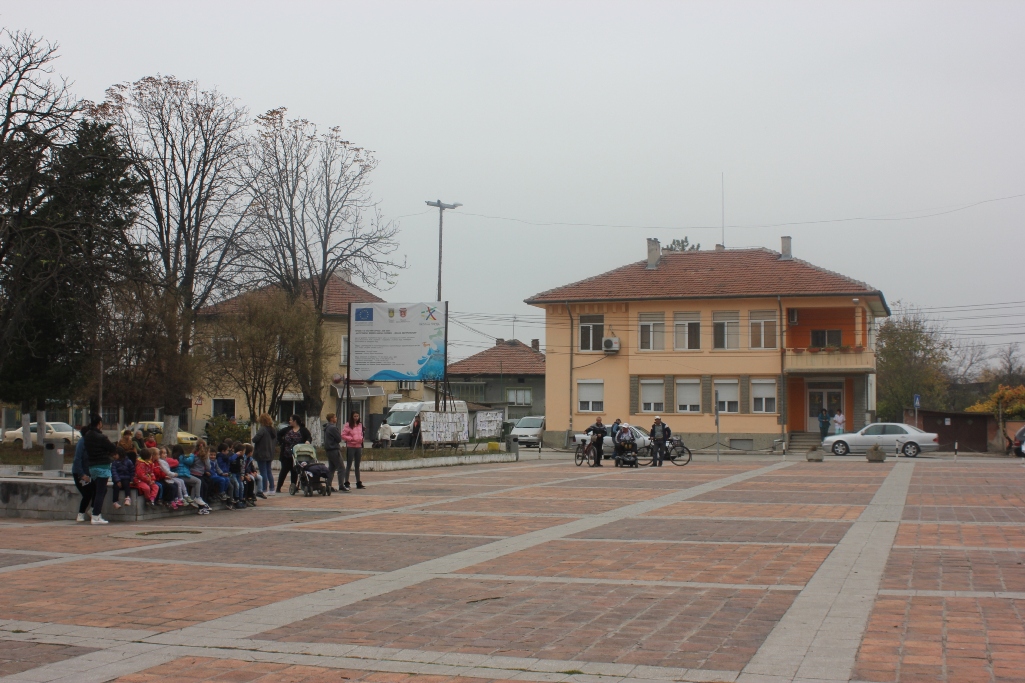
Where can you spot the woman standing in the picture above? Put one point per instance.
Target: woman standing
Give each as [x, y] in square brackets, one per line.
[838, 421]
[96, 463]
[332, 444]
[263, 451]
[83, 483]
[295, 433]
[352, 435]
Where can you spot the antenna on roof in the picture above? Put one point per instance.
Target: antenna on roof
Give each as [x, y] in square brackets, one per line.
[722, 187]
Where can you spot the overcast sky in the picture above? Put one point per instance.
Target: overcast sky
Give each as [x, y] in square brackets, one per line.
[627, 114]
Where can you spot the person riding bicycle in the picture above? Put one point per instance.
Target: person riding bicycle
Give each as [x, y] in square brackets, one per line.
[601, 431]
[625, 440]
[660, 434]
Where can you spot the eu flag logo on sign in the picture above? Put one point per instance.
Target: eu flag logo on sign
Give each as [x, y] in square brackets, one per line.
[364, 315]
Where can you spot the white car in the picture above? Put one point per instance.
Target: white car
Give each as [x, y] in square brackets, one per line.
[641, 436]
[529, 430]
[54, 430]
[886, 435]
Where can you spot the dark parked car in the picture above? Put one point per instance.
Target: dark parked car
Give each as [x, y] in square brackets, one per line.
[1019, 440]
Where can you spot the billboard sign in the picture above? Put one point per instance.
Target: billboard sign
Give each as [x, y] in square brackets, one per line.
[397, 342]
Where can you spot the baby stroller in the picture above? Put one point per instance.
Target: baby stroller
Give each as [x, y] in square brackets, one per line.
[312, 474]
[626, 454]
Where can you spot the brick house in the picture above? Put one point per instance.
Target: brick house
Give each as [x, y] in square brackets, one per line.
[775, 338]
[509, 375]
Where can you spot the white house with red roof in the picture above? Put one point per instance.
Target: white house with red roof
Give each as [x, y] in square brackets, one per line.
[775, 339]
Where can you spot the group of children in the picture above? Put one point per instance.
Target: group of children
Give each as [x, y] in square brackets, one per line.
[176, 479]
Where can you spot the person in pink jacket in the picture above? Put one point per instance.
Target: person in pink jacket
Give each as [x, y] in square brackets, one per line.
[352, 435]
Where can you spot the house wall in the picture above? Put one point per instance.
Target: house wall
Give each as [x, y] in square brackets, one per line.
[809, 319]
[495, 394]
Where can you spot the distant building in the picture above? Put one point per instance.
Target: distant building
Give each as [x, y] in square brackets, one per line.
[509, 375]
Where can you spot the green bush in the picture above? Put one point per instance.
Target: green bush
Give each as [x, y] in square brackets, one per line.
[219, 428]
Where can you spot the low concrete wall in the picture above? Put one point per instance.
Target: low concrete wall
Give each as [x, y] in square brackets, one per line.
[57, 498]
[444, 461]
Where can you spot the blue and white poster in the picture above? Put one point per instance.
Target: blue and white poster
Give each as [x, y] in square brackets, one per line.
[394, 342]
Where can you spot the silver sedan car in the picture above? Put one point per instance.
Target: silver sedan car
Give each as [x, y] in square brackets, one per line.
[54, 430]
[886, 435]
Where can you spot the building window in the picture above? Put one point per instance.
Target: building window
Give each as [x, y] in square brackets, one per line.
[468, 391]
[518, 397]
[763, 329]
[288, 408]
[345, 349]
[592, 328]
[222, 406]
[728, 391]
[688, 395]
[653, 332]
[726, 330]
[686, 331]
[763, 396]
[406, 385]
[653, 396]
[823, 338]
[591, 396]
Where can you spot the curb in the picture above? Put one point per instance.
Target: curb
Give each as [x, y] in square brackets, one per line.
[446, 461]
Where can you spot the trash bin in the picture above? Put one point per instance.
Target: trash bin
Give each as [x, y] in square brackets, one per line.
[512, 445]
[53, 454]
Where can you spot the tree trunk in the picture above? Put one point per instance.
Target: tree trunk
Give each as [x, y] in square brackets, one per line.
[313, 411]
[40, 427]
[170, 429]
[26, 435]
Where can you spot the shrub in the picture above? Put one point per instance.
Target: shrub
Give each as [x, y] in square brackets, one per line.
[219, 428]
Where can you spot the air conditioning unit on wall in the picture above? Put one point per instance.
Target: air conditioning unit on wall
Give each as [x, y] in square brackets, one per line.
[610, 344]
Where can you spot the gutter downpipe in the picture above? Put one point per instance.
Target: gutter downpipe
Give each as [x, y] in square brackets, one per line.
[569, 431]
[782, 376]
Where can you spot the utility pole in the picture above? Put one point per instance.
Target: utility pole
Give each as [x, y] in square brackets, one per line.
[441, 222]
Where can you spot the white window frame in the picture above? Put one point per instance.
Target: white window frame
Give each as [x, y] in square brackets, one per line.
[590, 325]
[725, 405]
[759, 337]
[687, 322]
[692, 408]
[653, 406]
[654, 326]
[730, 322]
[527, 392]
[591, 407]
[344, 349]
[768, 395]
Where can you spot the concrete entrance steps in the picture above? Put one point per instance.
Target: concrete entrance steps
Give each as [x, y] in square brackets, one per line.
[800, 442]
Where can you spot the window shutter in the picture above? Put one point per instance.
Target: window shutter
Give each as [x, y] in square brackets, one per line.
[670, 383]
[706, 394]
[635, 394]
[745, 393]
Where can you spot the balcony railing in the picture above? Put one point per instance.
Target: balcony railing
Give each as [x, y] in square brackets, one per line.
[830, 359]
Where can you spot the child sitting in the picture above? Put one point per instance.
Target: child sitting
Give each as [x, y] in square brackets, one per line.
[122, 471]
[184, 472]
[221, 466]
[235, 466]
[162, 472]
[251, 469]
[144, 481]
[150, 442]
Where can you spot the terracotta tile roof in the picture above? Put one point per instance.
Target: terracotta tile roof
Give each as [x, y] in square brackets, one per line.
[337, 298]
[507, 357]
[709, 274]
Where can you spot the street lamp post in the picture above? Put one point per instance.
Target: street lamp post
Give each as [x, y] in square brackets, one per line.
[441, 215]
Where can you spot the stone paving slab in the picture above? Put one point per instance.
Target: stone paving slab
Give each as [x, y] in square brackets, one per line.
[716, 530]
[950, 513]
[488, 525]
[955, 570]
[17, 656]
[995, 536]
[12, 559]
[767, 496]
[1008, 500]
[723, 563]
[259, 517]
[760, 511]
[547, 506]
[68, 537]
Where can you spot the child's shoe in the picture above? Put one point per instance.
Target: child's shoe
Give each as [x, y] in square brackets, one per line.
[98, 519]
[128, 501]
[117, 506]
[81, 517]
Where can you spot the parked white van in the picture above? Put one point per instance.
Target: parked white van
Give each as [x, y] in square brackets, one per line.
[530, 430]
[401, 416]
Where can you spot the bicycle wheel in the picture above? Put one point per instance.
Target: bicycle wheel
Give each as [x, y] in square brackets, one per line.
[591, 455]
[644, 456]
[680, 455]
[579, 457]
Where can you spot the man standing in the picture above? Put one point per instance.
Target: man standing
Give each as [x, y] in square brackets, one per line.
[599, 429]
[659, 434]
[333, 448]
[823, 424]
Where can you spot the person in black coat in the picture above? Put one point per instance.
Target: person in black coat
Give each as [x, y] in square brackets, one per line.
[96, 463]
[659, 434]
[601, 431]
[263, 450]
[295, 433]
[333, 446]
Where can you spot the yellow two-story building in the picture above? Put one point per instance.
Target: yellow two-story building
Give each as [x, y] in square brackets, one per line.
[769, 339]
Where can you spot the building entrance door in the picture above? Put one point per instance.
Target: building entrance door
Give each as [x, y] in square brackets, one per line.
[828, 395]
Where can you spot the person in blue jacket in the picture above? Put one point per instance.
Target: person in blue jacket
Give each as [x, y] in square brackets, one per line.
[83, 483]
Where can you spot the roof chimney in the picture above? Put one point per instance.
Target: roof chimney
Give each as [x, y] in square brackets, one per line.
[654, 253]
[786, 254]
[535, 344]
[499, 342]
[720, 247]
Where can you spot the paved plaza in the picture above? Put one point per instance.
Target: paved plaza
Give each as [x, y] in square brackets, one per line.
[748, 570]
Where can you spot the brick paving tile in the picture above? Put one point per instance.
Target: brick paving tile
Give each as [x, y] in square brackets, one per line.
[196, 669]
[1014, 500]
[488, 525]
[621, 495]
[659, 626]
[720, 530]
[433, 489]
[783, 485]
[158, 597]
[12, 559]
[978, 536]
[17, 656]
[760, 511]
[950, 513]
[959, 490]
[542, 506]
[722, 563]
[824, 479]
[258, 517]
[355, 500]
[639, 482]
[69, 538]
[954, 570]
[729, 495]
[334, 550]
[945, 639]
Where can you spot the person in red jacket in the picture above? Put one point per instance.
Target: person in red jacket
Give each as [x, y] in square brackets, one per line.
[352, 435]
[144, 481]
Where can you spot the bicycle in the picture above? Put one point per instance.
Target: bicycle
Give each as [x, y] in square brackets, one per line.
[678, 453]
[586, 452]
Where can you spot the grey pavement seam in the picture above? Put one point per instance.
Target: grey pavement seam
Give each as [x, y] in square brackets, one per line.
[257, 620]
[818, 637]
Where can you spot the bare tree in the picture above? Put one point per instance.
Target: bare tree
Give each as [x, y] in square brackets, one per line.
[1009, 368]
[967, 361]
[315, 218]
[189, 147]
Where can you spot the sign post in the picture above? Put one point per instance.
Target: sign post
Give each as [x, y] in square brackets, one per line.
[918, 404]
